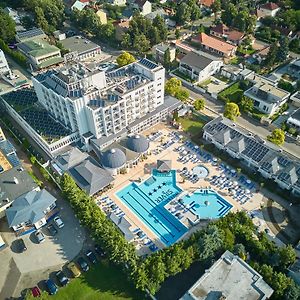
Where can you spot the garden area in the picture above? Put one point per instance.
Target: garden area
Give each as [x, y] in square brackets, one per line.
[193, 123]
[233, 93]
[183, 76]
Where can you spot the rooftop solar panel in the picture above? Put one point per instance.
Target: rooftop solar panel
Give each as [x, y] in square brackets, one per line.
[148, 64]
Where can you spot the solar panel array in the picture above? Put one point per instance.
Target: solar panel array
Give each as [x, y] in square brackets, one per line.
[112, 97]
[20, 99]
[44, 124]
[284, 162]
[53, 85]
[31, 33]
[148, 64]
[254, 150]
[132, 83]
[14, 160]
[97, 103]
[262, 94]
[7, 147]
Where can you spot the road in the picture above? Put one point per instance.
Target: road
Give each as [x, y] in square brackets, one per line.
[245, 122]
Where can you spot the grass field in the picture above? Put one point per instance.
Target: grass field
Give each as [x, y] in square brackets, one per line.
[102, 282]
[234, 93]
[192, 124]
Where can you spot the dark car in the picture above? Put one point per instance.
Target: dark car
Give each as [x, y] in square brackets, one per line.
[91, 256]
[35, 291]
[83, 264]
[52, 230]
[21, 245]
[99, 251]
[62, 278]
[51, 287]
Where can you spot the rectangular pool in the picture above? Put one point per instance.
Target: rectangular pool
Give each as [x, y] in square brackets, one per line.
[147, 201]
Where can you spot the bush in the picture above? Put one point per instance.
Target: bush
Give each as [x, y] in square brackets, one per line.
[16, 55]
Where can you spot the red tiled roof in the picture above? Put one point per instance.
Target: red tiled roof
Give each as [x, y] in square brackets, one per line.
[270, 6]
[235, 35]
[207, 3]
[214, 43]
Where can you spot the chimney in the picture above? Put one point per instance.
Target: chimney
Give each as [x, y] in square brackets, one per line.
[16, 181]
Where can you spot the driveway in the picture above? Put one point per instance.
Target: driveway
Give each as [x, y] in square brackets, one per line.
[23, 270]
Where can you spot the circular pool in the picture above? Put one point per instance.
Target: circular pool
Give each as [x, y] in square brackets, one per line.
[200, 171]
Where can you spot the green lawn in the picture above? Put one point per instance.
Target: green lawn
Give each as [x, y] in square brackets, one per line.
[104, 281]
[233, 93]
[192, 124]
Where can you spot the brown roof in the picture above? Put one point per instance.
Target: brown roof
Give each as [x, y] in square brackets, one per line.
[207, 3]
[214, 43]
[235, 35]
[124, 24]
[270, 6]
[232, 35]
[220, 28]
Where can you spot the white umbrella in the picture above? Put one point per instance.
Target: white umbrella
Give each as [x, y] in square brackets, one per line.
[236, 183]
[215, 160]
[184, 152]
[233, 171]
[247, 191]
[248, 181]
[195, 156]
[223, 175]
[196, 147]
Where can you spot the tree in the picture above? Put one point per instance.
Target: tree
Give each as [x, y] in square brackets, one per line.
[195, 12]
[167, 59]
[41, 20]
[229, 14]
[124, 59]
[177, 33]
[277, 137]
[140, 43]
[246, 104]
[216, 7]
[283, 50]
[126, 41]
[182, 94]
[292, 292]
[172, 86]
[271, 58]
[231, 111]
[285, 85]
[7, 27]
[295, 45]
[287, 255]
[240, 250]
[199, 104]
[183, 13]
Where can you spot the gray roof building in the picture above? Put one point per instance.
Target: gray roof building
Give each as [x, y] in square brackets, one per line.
[29, 207]
[123, 225]
[138, 143]
[90, 177]
[113, 158]
[196, 60]
[14, 183]
[229, 278]
[34, 33]
[164, 165]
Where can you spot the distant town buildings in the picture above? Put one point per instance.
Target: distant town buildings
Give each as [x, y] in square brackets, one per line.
[229, 278]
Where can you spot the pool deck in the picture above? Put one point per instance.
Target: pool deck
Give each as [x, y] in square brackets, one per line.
[143, 171]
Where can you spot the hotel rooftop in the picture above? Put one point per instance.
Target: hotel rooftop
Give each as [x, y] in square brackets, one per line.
[229, 278]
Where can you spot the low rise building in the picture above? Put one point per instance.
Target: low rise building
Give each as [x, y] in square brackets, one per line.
[40, 53]
[206, 3]
[160, 50]
[34, 33]
[80, 47]
[215, 45]
[269, 9]
[79, 5]
[102, 16]
[260, 155]
[267, 98]
[30, 210]
[118, 2]
[230, 278]
[296, 99]
[294, 120]
[232, 36]
[144, 6]
[199, 67]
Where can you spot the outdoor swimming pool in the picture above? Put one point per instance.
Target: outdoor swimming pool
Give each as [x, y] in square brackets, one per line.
[147, 201]
[207, 204]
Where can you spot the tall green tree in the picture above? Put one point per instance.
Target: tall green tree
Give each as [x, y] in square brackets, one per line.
[272, 55]
[199, 104]
[216, 7]
[277, 137]
[283, 50]
[183, 13]
[140, 43]
[231, 111]
[124, 59]
[7, 27]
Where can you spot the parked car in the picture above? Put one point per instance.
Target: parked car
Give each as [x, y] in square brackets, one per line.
[58, 222]
[74, 269]
[52, 230]
[35, 292]
[83, 264]
[21, 245]
[51, 287]
[40, 236]
[99, 251]
[91, 256]
[62, 278]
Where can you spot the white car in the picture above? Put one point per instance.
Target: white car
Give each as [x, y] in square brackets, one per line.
[58, 222]
[40, 236]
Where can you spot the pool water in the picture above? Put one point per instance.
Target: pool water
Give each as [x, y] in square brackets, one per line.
[147, 201]
[207, 204]
[200, 171]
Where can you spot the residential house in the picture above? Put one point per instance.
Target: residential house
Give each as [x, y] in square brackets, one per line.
[128, 14]
[241, 281]
[258, 154]
[259, 56]
[102, 16]
[32, 34]
[294, 120]
[59, 35]
[296, 99]
[121, 28]
[144, 6]
[232, 36]
[267, 98]
[40, 53]
[269, 9]
[79, 4]
[160, 50]
[199, 67]
[215, 45]
[30, 211]
[235, 73]
[14, 182]
[206, 3]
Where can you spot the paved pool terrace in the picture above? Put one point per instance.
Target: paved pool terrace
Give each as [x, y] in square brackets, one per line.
[148, 199]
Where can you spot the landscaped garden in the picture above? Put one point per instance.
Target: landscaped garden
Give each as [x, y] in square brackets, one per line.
[193, 123]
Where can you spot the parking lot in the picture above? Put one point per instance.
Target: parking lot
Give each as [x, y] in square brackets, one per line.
[23, 270]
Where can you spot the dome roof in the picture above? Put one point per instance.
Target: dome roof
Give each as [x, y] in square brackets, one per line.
[137, 143]
[113, 158]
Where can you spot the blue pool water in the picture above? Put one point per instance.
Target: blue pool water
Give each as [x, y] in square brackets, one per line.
[207, 204]
[147, 201]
